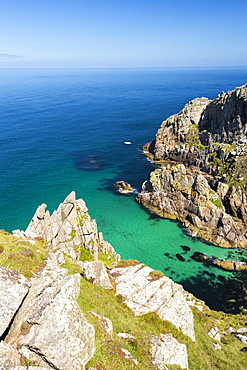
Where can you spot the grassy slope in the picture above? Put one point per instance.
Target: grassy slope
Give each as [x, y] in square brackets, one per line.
[21, 255]
[29, 259]
[202, 354]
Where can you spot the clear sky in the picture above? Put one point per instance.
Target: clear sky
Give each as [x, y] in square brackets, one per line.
[122, 33]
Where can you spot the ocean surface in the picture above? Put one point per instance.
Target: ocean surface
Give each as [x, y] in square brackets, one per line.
[64, 130]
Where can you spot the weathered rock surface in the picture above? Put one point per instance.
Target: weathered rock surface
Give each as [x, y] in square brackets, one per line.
[13, 288]
[214, 333]
[68, 228]
[9, 356]
[209, 136]
[96, 273]
[224, 264]
[50, 328]
[124, 187]
[143, 294]
[189, 137]
[174, 193]
[24, 368]
[166, 350]
[231, 265]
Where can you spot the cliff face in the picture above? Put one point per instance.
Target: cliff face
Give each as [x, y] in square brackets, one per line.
[175, 194]
[74, 313]
[206, 134]
[207, 137]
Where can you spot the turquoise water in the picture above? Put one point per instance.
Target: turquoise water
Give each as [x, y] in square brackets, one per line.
[64, 130]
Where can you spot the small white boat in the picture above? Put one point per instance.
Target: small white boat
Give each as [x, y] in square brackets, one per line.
[127, 142]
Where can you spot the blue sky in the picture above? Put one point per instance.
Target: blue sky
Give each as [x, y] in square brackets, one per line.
[107, 33]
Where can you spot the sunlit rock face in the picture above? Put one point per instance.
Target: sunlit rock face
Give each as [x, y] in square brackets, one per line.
[144, 293]
[207, 188]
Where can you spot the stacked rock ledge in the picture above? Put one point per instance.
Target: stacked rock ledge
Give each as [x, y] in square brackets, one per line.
[207, 137]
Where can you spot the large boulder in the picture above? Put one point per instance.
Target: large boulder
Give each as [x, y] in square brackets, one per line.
[96, 273]
[50, 329]
[13, 288]
[166, 350]
[144, 292]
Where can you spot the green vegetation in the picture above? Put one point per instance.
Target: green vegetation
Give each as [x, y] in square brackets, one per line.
[29, 257]
[71, 266]
[217, 202]
[201, 353]
[127, 263]
[21, 255]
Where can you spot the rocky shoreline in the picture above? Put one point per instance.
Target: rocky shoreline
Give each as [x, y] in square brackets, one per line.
[72, 311]
[202, 152]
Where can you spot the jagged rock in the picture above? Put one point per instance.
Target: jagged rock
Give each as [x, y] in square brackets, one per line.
[224, 264]
[231, 265]
[166, 350]
[124, 187]
[214, 333]
[96, 273]
[50, 328]
[13, 288]
[143, 294]
[188, 137]
[9, 356]
[105, 323]
[209, 136]
[193, 302]
[68, 228]
[172, 193]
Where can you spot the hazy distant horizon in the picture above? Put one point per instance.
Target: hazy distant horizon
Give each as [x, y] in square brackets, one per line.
[122, 34]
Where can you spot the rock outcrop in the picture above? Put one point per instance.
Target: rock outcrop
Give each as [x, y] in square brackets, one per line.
[207, 136]
[62, 314]
[95, 272]
[224, 264]
[14, 288]
[166, 350]
[204, 129]
[145, 292]
[174, 193]
[68, 228]
[49, 328]
[124, 187]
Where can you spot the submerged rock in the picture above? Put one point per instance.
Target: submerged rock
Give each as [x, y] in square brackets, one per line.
[180, 258]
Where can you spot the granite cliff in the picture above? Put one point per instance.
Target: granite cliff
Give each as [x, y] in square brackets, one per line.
[69, 303]
[202, 152]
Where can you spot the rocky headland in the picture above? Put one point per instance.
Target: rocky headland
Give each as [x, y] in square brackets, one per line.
[68, 302]
[202, 179]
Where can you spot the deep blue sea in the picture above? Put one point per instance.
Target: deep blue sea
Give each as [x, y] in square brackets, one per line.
[64, 130]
